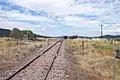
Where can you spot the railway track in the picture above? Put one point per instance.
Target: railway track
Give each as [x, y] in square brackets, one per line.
[36, 58]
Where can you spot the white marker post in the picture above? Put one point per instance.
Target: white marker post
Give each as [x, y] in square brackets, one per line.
[46, 41]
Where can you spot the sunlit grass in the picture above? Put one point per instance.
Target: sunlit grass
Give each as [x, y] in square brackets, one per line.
[97, 56]
[11, 50]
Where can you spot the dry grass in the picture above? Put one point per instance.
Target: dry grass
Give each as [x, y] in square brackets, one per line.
[13, 50]
[97, 58]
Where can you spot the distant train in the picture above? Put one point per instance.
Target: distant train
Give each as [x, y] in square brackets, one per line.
[65, 37]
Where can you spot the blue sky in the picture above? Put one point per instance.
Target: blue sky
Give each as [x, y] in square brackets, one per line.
[61, 17]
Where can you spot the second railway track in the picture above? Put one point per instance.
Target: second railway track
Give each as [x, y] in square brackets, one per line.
[45, 67]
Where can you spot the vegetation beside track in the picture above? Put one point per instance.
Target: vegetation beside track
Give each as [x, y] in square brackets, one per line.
[96, 56]
[14, 50]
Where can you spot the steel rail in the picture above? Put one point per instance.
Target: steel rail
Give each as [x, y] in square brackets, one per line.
[53, 61]
[25, 66]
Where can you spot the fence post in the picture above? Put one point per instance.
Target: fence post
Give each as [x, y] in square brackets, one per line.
[115, 78]
[83, 45]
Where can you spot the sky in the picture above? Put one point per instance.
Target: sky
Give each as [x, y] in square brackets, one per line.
[62, 17]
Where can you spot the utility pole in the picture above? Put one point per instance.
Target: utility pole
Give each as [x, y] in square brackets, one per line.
[101, 30]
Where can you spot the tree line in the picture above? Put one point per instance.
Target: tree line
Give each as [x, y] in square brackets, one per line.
[21, 34]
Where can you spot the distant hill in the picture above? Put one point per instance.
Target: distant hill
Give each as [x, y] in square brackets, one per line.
[37, 35]
[105, 36]
[111, 36]
[4, 32]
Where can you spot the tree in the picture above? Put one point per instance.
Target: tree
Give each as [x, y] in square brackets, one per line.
[16, 33]
[24, 34]
[35, 36]
[28, 33]
[73, 37]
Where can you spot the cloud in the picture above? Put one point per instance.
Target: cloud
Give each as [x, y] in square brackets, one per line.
[57, 17]
[13, 15]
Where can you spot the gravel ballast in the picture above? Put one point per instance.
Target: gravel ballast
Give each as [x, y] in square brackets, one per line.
[38, 69]
[4, 73]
